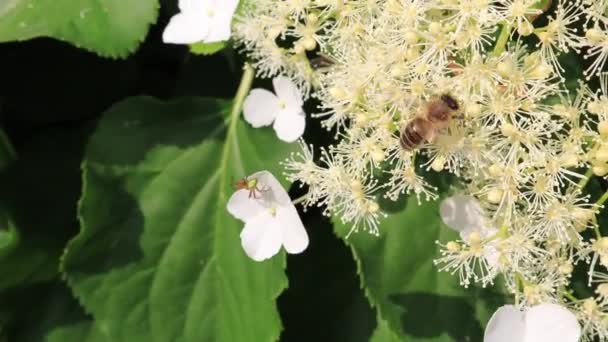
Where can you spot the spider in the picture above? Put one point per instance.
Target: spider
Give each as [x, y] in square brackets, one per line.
[251, 185]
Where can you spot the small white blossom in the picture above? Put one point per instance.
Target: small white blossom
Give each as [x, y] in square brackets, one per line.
[262, 108]
[271, 219]
[201, 21]
[462, 213]
[541, 323]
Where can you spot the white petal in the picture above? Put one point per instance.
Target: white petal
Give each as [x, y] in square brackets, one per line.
[551, 323]
[261, 107]
[295, 238]
[243, 206]
[221, 22]
[185, 28]
[262, 237]
[224, 6]
[461, 213]
[288, 92]
[271, 190]
[220, 28]
[506, 325]
[290, 125]
[190, 5]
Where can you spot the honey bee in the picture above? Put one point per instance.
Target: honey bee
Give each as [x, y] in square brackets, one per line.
[436, 116]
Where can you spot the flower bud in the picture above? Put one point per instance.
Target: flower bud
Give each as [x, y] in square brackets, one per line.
[411, 37]
[594, 107]
[495, 170]
[435, 28]
[378, 155]
[310, 44]
[582, 218]
[565, 268]
[473, 109]
[508, 130]
[438, 164]
[504, 69]
[525, 28]
[602, 154]
[589, 306]
[312, 18]
[600, 170]
[453, 246]
[602, 290]
[595, 36]
[337, 93]
[412, 53]
[569, 160]
[494, 196]
[372, 207]
[602, 127]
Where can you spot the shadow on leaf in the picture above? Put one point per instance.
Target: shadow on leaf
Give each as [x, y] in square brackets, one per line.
[428, 315]
[121, 230]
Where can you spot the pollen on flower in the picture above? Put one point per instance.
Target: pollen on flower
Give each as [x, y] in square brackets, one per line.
[525, 141]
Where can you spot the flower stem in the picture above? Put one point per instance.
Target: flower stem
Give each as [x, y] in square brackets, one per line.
[501, 43]
[519, 284]
[244, 87]
[586, 178]
[569, 295]
[596, 229]
[232, 121]
[602, 199]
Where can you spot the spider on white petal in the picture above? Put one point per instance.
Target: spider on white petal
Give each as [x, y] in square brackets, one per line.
[271, 219]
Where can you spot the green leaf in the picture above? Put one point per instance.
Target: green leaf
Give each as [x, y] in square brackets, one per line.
[159, 258]
[414, 301]
[384, 334]
[56, 317]
[112, 28]
[207, 48]
[38, 206]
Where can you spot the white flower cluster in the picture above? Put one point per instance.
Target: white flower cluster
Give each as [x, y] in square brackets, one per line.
[523, 141]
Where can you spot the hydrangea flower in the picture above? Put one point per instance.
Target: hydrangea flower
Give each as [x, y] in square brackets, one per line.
[201, 21]
[262, 108]
[271, 219]
[541, 323]
[524, 144]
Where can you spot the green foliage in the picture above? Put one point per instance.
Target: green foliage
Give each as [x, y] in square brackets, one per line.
[111, 28]
[384, 334]
[207, 48]
[38, 207]
[159, 257]
[414, 301]
[58, 317]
